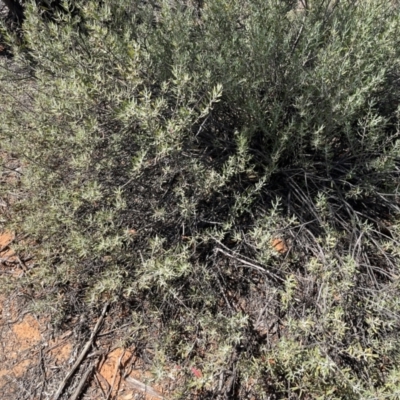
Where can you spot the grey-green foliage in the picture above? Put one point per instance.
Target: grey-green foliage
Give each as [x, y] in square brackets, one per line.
[166, 144]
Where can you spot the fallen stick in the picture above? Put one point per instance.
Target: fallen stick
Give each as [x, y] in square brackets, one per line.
[96, 377]
[82, 383]
[135, 384]
[85, 350]
[116, 372]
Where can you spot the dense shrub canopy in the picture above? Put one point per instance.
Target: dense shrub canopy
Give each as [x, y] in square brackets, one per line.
[169, 145]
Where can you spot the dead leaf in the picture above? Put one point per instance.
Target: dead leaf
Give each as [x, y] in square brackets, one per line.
[196, 372]
[6, 238]
[279, 245]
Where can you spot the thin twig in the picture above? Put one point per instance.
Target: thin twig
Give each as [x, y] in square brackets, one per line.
[115, 329]
[43, 372]
[104, 382]
[21, 264]
[296, 42]
[222, 289]
[202, 125]
[99, 385]
[60, 342]
[82, 355]
[249, 264]
[115, 375]
[82, 383]
[242, 256]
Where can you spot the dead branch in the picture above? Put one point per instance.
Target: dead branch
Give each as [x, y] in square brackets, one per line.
[82, 355]
[115, 375]
[82, 383]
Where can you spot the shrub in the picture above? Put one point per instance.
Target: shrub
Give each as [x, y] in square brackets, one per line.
[168, 144]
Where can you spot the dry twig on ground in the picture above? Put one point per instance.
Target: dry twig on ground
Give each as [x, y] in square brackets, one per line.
[82, 355]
